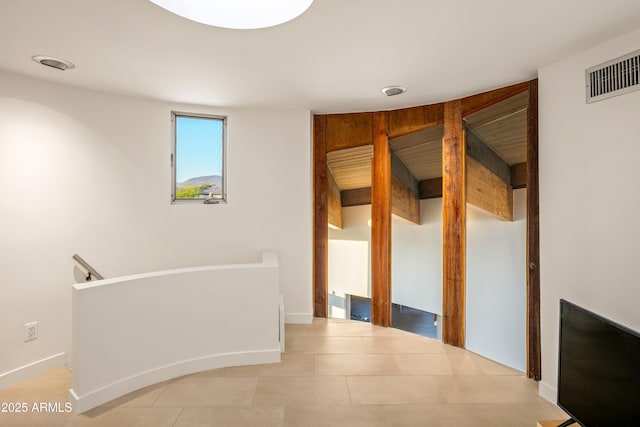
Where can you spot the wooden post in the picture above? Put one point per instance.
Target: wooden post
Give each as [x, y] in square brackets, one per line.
[381, 223]
[533, 238]
[320, 218]
[453, 225]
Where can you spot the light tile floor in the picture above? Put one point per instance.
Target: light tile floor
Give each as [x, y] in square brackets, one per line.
[334, 373]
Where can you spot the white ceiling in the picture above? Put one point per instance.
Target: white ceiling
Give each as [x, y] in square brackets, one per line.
[334, 58]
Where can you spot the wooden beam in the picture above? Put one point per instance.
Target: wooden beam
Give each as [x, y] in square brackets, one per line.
[405, 202]
[356, 197]
[533, 238]
[402, 172]
[334, 204]
[480, 151]
[488, 179]
[407, 120]
[453, 225]
[430, 188]
[488, 191]
[474, 103]
[348, 130]
[519, 175]
[320, 217]
[381, 224]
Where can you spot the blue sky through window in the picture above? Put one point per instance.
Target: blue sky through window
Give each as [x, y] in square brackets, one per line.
[198, 147]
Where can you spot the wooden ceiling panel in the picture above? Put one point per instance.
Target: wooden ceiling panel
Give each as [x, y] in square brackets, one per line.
[498, 111]
[421, 152]
[417, 138]
[348, 130]
[409, 120]
[351, 167]
[503, 127]
[424, 161]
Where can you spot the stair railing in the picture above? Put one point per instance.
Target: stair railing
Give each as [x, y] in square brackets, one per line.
[91, 272]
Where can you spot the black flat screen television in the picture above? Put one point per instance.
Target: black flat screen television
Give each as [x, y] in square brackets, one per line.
[598, 369]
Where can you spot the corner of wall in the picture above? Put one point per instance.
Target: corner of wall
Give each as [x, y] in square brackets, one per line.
[298, 318]
[547, 392]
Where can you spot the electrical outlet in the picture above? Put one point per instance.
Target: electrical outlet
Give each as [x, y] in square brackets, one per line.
[30, 331]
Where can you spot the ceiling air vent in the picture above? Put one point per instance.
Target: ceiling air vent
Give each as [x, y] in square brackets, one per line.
[613, 78]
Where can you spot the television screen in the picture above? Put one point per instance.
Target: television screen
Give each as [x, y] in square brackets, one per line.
[599, 369]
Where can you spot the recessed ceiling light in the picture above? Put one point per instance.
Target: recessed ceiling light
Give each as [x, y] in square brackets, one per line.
[393, 90]
[59, 64]
[237, 14]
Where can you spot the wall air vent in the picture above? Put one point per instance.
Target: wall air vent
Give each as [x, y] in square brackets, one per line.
[613, 78]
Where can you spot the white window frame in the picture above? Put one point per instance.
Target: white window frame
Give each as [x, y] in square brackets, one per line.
[174, 142]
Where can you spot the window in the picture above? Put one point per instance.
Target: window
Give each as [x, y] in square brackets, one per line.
[198, 160]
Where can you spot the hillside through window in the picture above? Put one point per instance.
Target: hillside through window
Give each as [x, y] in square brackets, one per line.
[198, 158]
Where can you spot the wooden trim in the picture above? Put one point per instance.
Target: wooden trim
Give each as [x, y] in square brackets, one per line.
[519, 175]
[430, 188]
[407, 120]
[320, 218]
[381, 224]
[453, 225]
[533, 238]
[348, 130]
[474, 103]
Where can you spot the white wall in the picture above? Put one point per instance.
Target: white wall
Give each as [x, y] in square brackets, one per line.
[589, 199]
[349, 259]
[416, 258]
[496, 284]
[349, 266]
[86, 172]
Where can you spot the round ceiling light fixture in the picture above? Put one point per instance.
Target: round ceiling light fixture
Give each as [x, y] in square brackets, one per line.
[58, 64]
[393, 90]
[237, 14]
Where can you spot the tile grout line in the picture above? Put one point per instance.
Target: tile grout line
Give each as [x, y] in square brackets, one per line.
[346, 380]
[255, 392]
[153, 404]
[178, 417]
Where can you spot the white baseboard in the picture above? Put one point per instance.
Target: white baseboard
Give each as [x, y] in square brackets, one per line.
[547, 392]
[25, 372]
[143, 379]
[304, 318]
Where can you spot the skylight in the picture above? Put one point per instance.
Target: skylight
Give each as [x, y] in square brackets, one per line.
[237, 14]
